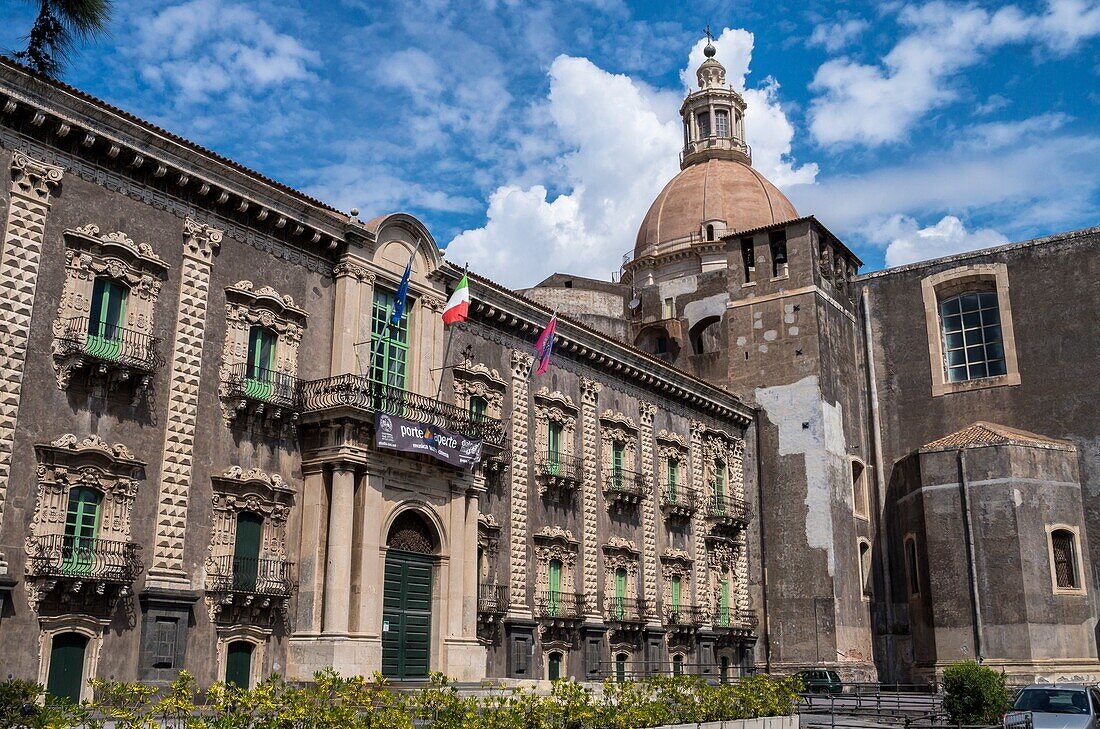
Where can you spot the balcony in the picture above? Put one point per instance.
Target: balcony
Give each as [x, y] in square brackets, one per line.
[734, 620]
[492, 602]
[684, 618]
[360, 394]
[259, 391]
[558, 608]
[626, 612]
[623, 488]
[99, 569]
[113, 352]
[555, 470]
[248, 589]
[678, 500]
[727, 512]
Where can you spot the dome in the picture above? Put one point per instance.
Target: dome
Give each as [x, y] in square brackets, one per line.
[727, 192]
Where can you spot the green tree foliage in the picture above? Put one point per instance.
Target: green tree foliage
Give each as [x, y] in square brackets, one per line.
[60, 25]
[332, 701]
[974, 694]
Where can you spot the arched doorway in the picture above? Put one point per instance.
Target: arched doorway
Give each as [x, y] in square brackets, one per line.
[553, 668]
[407, 598]
[238, 664]
[620, 667]
[66, 676]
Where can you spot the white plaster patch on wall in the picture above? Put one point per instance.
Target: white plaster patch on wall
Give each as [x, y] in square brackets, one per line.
[678, 286]
[709, 306]
[770, 335]
[822, 446]
[793, 331]
[763, 348]
[741, 341]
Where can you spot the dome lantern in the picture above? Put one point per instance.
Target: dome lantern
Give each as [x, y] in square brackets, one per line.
[714, 116]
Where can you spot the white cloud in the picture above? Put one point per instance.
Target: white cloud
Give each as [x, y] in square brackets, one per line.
[374, 189]
[835, 36]
[909, 242]
[619, 142]
[205, 48]
[995, 135]
[877, 104]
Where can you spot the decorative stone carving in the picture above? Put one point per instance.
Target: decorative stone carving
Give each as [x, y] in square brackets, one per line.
[646, 411]
[357, 272]
[31, 184]
[517, 534]
[619, 553]
[135, 353]
[619, 430]
[554, 407]
[265, 592]
[200, 242]
[555, 543]
[698, 523]
[675, 563]
[64, 464]
[488, 535]
[477, 380]
[590, 393]
[275, 399]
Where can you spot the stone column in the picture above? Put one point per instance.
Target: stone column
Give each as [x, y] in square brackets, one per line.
[352, 282]
[698, 520]
[469, 577]
[371, 569]
[456, 517]
[312, 539]
[185, 366]
[341, 523]
[517, 528]
[649, 521]
[590, 436]
[31, 182]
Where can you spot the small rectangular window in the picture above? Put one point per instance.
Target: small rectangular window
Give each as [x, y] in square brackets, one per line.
[778, 244]
[748, 258]
[973, 345]
[911, 566]
[1065, 559]
[478, 405]
[165, 632]
[704, 124]
[668, 308]
[721, 123]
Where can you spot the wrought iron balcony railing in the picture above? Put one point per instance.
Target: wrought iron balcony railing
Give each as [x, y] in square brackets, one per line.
[625, 610]
[492, 599]
[109, 344]
[678, 499]
[727, 510]
[83, 558]
[244, 381]
[732, 618]
[681, 616]
[362, 393]
[268, 576]
[560, 605]
[623, 485]
[560, 467]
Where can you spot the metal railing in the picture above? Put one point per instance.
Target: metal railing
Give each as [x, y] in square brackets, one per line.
[726, 508]
[684, 616]
[625, 610]
[360, 392]
[250, 575]
[557, 465]
[85, 558]
[263, 385]
[109, 343]
[633, 670]
[561, 605]
[492, 599]
[678, 498]
[620, 482]
[733, 618]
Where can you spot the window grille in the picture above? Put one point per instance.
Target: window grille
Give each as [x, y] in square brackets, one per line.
[973, 346]
[164, 643]
[1065, 559]
[704, 124]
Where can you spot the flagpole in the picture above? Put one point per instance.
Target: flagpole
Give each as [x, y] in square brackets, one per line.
[384, 334]
[447, 347]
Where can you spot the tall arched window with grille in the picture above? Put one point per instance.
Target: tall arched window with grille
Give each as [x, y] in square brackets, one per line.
[1065, 560]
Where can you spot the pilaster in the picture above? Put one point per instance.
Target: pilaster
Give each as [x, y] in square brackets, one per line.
[31, 182]
[590, 393]
[200, 243]
[312, 540]
[517, 531]
[351, 324]
[649, 520]
[698, 520]
[341, 526]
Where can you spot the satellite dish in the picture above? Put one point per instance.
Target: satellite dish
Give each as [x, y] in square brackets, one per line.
[634, 303]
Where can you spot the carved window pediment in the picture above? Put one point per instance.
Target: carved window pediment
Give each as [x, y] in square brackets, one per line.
[669, 439]
[610, 419]
[548, 399]
[477, 380]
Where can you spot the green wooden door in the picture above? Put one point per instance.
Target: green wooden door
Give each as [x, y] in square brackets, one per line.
[553, 670]
[106, 318]
[724, 603]
[620, 667]
[618, 452]
[554, 578]
[620, 593]
[246, 550]
[676, 584]
[719, 487]
[81, 530]
[66, 676]
[677, 665]
[238, 664]
[406, 615]
[673, 477]
[258, 381]
[553, 441]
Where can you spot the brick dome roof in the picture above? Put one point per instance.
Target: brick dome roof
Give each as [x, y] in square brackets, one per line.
[712, 190]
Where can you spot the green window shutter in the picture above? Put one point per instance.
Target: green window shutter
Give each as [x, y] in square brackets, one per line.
[81, 530]
[553, 447]
[238, 664]
[246, 550]
[720, 485]
[673, 477]
[553, 671]
[66, 676]
[554, 578]
[106, 319]
[478, 405]
[389, 344]
[620, 593]
[724, 604]
[261, 363]
[676, 593]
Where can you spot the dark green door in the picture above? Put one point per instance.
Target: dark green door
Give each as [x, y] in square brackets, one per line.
[261, 363]
[406, 615]
[246, 550]
[67, 666]
[553, 671]
[81, 530]
[238, 664]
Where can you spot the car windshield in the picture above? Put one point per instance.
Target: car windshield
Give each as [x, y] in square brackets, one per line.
[1053, 701]
[834, 676]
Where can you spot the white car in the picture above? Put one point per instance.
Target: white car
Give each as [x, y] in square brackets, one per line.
[1056, 706]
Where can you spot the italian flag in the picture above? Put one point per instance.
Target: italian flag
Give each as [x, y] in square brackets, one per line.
[458, 306]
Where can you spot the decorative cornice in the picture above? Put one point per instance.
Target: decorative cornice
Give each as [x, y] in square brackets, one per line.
[555, 397]
[247, 292]
[621, 544]
[201, 240]
[33, 179]
[116, 241]
[673, 438]
[555, 534]
[93, 443]
[624, 421]
[479, 370]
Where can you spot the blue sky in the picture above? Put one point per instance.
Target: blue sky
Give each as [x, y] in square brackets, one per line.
[534, 135]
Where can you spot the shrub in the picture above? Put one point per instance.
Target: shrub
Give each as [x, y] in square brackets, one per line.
[974, 694]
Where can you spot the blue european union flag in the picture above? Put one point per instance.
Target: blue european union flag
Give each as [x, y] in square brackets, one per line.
[402, 292]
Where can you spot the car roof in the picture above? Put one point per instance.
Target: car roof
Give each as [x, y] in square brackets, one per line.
[1077, 686]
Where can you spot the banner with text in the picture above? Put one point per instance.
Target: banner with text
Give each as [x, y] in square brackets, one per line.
[409, 436]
